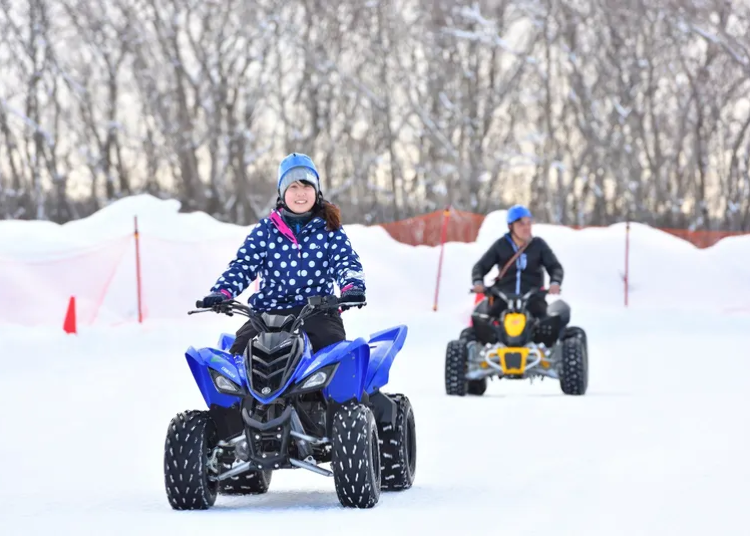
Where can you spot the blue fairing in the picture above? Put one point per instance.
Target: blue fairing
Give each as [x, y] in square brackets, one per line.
[384, 346]
[349, 380]
[199, 361]
[363, 367]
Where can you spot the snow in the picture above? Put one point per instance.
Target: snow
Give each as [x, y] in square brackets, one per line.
[658, 444]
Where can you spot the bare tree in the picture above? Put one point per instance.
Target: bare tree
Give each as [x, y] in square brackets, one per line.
[591, 112]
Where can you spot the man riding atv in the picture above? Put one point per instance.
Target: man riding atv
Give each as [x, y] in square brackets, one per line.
[513, 333]
[520, 258]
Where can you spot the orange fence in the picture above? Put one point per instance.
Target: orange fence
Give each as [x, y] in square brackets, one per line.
[426, 230]
[464, 227]
[703, 239]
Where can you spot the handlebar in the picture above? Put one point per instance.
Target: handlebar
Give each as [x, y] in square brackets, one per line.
[508, 297]
[315, 305]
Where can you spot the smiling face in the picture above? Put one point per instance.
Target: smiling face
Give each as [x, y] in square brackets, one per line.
[300, 197]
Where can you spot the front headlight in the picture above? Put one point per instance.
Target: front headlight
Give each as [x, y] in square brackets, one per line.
[224, 384]
[319, 378]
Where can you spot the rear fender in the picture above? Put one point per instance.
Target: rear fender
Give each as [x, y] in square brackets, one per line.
[349, 380]
[200, 360]
[384, 346]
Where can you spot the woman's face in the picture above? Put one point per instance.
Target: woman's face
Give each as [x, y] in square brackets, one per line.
[300, 197]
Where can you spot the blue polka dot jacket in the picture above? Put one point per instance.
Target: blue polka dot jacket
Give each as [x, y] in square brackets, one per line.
[292, 266]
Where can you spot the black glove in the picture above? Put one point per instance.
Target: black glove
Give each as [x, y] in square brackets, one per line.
[350, 296]
[215, 298]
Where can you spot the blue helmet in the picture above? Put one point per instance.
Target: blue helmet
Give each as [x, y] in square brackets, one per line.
[516, 212]
[297, 167]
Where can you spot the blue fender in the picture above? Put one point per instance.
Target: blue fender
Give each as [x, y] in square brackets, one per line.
[384, 345]
[226, 340]
[199, 361]
[349, 380]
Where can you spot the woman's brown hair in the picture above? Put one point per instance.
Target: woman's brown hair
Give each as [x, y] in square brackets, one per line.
[331, 214]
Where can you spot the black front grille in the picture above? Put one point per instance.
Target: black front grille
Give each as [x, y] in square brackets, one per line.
[272, 359]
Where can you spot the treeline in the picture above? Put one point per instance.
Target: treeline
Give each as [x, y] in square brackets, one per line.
[590, 111]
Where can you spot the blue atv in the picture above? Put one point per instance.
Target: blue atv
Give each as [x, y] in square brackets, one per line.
[279, 406]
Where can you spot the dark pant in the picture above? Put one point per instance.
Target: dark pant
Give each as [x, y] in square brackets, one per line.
[323, 329]
[536, 305]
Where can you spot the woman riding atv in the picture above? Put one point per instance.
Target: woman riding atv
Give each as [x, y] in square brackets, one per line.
[520, 258]
[299, 251]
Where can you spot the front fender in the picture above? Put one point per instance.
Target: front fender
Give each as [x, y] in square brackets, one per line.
[200, 360]
[349, 380]
[226, 340]
[384, 346]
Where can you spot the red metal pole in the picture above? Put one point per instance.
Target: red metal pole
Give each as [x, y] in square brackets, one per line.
[627, 260]
[138, 270]
[443, 233]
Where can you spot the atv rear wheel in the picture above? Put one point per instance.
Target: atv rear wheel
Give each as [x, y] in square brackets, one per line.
[250, 483]
[398, 448]
[456, 358]
[191, 437]
[355, 460]
[574, 366]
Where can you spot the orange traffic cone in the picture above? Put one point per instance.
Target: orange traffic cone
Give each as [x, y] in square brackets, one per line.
[70, 317]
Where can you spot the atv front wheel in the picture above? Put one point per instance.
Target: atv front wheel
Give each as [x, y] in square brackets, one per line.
[355, 460]
[475, 387]
[455, 368]
[574, 366]
[398, 448]
[468, 335]
[250, 483]
[190, 439]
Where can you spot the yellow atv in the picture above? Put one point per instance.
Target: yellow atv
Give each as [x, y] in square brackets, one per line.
[517, 346]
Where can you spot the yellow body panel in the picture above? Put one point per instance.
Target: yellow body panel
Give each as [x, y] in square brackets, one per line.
[514, 324]
[501, 352]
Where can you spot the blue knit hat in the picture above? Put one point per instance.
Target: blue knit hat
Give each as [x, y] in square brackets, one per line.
[297, 167]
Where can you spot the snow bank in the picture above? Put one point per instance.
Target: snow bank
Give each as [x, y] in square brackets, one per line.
[42, 264]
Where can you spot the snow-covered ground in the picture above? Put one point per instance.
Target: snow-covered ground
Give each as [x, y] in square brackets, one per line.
[658, 444]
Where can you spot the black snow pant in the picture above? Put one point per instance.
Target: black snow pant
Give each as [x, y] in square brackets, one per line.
[536, 305]
[323, 329]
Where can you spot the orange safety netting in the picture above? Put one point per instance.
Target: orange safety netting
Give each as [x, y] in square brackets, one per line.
[461, 226]
[702, 239]
[35, 291]
[427, 229]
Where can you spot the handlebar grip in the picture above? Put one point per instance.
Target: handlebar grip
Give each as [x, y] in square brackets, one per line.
[199, 304]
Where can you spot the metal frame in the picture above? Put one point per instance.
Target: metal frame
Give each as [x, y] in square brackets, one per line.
[533, 369]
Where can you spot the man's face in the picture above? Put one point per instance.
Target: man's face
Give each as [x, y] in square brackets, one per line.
[522, 228]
